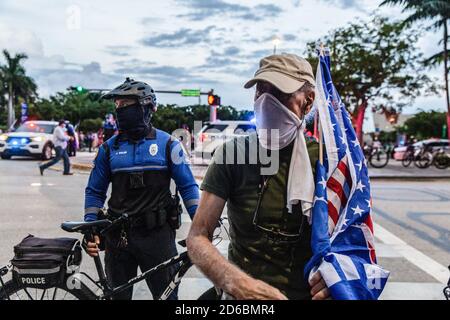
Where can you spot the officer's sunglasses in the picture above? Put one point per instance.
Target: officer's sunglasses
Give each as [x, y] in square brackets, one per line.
[273, 233]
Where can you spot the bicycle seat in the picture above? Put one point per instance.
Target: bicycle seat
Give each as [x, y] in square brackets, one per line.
[73, 226]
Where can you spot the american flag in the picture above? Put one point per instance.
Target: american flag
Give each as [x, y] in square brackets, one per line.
[342, 230]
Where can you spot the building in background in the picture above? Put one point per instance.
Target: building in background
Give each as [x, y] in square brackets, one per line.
[388, 123]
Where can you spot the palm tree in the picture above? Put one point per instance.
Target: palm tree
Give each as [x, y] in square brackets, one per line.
[439, 12]
[15, 81]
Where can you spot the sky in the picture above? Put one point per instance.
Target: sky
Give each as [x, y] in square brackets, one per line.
[176, 44]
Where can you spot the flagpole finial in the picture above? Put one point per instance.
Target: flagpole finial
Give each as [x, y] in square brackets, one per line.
[321, 49]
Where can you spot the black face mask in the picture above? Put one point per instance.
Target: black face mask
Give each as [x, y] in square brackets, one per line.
[134, 120]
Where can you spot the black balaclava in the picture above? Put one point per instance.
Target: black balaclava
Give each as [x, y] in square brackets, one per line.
[134, 120]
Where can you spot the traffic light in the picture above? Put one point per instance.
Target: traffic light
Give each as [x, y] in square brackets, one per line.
[213, 100]
[78, 89]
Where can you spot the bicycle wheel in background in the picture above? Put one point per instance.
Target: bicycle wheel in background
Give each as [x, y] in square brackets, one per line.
[13, 291]
[424, 161]
[379, 159]
[407, 160]
[441, 161]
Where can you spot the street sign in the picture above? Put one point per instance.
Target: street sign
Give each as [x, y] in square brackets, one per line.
[24, 112]
[190, 92]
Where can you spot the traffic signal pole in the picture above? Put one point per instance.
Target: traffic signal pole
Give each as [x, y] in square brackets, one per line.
[213, 100]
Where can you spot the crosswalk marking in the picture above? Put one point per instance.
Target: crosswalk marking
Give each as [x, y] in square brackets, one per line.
[422, 261]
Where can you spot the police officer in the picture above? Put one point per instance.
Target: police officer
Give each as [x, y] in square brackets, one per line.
[139, 162]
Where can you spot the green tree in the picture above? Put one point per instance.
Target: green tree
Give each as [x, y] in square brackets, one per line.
[15, 82]
[425, 125]
[437, 11]
[374, 64]
[91, 125]
[72, 106]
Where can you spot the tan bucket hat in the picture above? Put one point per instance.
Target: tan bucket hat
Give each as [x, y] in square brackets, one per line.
[288, 72]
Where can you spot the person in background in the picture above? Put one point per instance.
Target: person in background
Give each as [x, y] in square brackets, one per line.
[81, 138]
[60, 140]
[109, 127]
[72, 143]
[89, 140]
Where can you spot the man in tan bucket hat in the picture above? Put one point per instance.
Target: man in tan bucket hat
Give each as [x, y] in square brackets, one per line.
[287, 72]
[269, 215]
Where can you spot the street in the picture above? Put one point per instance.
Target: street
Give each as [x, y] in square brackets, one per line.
[412, 226]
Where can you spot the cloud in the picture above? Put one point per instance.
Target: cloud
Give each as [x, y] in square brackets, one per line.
[287, 37]
[51, 73]
[201, 9]
[232, 50]
[17, 40]
[178, 38]
[119, 50]
[165, 75]
[346, 4]
[51, 80]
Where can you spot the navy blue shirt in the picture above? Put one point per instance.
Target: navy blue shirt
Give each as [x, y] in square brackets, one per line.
[147, 154]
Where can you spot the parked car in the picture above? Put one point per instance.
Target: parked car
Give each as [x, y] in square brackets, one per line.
[433, 144]
[214, 134]
[32, 138]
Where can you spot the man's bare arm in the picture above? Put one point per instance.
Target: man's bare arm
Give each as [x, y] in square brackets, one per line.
[209, 260]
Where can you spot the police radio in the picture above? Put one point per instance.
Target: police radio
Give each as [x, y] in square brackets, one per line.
[174, 211]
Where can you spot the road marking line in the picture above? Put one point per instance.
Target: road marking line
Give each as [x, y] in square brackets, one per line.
[422, 261]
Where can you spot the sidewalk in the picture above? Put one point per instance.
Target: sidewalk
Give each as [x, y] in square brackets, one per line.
[394, 169]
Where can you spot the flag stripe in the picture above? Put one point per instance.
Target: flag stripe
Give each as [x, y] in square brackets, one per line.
[347, 266]
[333, 212]
[336, 187]
[342, 166]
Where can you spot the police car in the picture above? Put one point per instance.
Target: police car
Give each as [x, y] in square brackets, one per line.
[32, 138]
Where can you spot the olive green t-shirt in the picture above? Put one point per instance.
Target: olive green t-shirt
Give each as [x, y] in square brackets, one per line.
[257, 252]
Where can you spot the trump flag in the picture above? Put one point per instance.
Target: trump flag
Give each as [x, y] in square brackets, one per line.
[342, 230]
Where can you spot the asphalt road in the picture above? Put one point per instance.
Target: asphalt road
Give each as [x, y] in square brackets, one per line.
[412, 226]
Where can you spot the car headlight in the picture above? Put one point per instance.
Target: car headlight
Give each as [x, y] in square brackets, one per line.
[37, 139]
[3, 137]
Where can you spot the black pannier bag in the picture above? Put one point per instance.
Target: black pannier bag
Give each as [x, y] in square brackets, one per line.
[45, 263]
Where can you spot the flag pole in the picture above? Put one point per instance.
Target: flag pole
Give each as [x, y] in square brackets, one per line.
[320, 141]
[319, 126]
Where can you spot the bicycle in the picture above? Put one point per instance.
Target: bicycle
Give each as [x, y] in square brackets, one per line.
[446, 290]
[420, 156]
[377, 157]
[441, 159]
[408, 157]
[13, 290]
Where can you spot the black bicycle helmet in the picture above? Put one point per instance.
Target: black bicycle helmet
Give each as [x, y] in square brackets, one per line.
[134, 89]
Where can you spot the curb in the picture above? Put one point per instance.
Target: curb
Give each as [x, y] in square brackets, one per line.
[81, 166]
